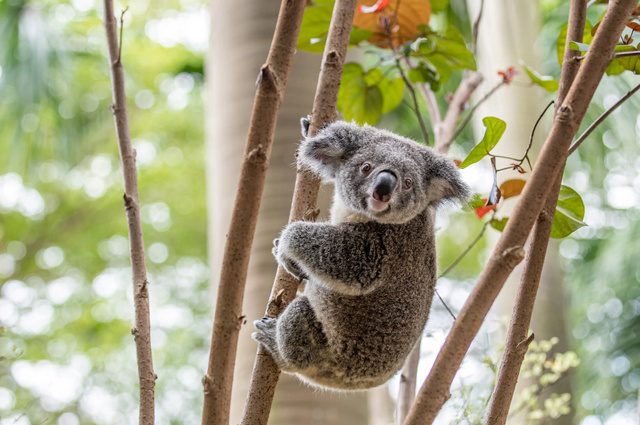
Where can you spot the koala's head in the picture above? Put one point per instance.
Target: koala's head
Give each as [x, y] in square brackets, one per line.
[389, 178]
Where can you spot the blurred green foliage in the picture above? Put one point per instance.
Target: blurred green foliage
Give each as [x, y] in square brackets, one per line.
[66, 353]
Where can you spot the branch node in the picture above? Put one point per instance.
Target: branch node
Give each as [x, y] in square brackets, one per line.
[142, 290]
[134, 332]
[257, 155]
[207, 384]
[564, 114]
[311, 214]
[523, 345]
[277, 300]
[242, 320]
[514, 254]
[332, 58]
[267, 77]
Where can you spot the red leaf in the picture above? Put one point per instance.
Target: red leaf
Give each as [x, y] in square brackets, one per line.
[508, 75]
[380, 5]
[482, 211]
[517, 168]
[634, 26]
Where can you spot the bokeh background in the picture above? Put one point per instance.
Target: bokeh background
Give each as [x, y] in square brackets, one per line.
[66, 352]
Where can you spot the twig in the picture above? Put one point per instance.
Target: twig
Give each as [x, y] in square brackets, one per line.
[265, 372]
[476, 25]
[121, 31]
[509, 249]
[467, 118]
[445, 305]
[601, 118]
[271, 84]
[466, 251]
[142, 330]
[412, 90]
[614, 56]
[533, 132]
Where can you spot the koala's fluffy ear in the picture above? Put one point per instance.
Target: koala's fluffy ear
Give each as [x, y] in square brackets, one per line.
[324, 152]
[445, 183]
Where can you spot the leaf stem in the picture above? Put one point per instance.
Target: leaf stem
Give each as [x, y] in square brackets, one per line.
[467, 249]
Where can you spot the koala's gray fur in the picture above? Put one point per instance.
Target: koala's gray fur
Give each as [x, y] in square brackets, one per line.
[370, 272]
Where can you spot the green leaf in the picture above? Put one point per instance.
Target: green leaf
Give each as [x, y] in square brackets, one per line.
[315, 26]
[476, 202]
[357, 99]
[546, 82]
[619, 65]
[493, 133]
[392, 93]
[439, 5]
[562, 38]
[574, 45]
[359, 35]
[448, 46]
[499, 225]
[569, 213]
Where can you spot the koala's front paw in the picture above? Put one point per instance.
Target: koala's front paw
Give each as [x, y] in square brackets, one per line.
[267, 336]
[285, 261]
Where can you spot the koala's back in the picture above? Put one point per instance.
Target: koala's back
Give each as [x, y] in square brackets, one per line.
[371, 335]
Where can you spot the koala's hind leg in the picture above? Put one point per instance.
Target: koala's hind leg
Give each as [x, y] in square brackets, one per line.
[295, 339]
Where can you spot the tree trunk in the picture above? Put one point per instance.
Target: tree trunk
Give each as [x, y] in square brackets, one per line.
[507, 33]
[240, 38]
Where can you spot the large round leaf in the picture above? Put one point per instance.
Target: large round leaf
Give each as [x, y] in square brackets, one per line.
[403, 23]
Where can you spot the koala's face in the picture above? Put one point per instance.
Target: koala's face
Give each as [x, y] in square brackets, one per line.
[388, 178]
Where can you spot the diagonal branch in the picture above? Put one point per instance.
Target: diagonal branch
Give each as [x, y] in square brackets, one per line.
[142, 330]
[601, 118]
[509, 249]
[271, 84]
[265, 372]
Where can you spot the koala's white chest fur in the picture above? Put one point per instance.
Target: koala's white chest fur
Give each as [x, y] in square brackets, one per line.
[341, 214]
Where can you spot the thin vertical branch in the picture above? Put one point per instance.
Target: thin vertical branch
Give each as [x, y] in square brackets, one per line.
[142, 330]
[271, 84]
[265, 372]
[515, 349]
[509, 249]
[408, 381]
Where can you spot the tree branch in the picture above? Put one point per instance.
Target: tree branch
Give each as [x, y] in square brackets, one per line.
[412, 90]
[265, 372]
[446, 131]
[601, 118]
[509, 249]
[476, 26]
[142, 330]
[408, 381]
[515, 351]
[272, 81]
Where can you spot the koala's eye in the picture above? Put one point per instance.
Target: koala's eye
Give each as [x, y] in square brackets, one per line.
[407, 183]
[366, 167]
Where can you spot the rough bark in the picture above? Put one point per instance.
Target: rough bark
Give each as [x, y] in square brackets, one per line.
[142, 330]
[509, 250]
[516, 346]
[272, 81]
[266, 373]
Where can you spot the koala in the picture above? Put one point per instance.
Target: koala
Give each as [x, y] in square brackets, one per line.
[371, 271]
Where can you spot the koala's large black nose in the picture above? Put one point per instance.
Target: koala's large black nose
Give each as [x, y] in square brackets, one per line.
[383, 186]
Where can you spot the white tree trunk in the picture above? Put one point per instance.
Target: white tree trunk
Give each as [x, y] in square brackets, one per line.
[241, 33]
[507, 34]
